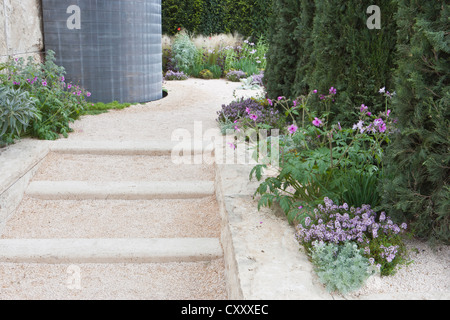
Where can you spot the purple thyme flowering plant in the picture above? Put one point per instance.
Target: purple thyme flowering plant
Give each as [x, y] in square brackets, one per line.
[247, 112]
[235, 75]
[175, 75]
[375, 233]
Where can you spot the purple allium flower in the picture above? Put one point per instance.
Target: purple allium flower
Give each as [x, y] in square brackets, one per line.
[315, 90]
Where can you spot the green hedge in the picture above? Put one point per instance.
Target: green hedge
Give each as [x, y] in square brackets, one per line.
[249, 18]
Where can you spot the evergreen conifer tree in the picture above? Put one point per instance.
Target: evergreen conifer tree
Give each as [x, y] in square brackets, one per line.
[349, 56]
[416, 185]
[284, 49]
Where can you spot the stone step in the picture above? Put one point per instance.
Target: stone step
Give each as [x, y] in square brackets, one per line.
[143, 190]
[201, 280]
[148, 148]
[109, 250]
[160, 218]
[89, 167]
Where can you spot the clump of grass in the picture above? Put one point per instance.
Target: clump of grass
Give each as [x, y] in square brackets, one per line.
[100, 107]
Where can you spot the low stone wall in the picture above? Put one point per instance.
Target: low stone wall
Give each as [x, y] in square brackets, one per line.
[21, 30]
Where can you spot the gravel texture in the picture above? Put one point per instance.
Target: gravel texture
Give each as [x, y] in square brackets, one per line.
[195, 218]
[427, 276]
[157, 281]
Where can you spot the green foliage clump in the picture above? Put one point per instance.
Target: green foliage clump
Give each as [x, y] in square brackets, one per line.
[418, 162]
[58, 103]
[17, 110]
[341, 268]
[206, 74]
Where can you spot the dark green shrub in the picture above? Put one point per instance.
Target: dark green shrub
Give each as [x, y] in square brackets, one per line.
[418, 162]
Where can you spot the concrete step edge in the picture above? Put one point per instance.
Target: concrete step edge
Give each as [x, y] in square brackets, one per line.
[109, 250]
[151, 148]
[77, 190]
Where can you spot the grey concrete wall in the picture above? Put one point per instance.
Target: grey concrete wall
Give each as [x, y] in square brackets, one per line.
[21, 31]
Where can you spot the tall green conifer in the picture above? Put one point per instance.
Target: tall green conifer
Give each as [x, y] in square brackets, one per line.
[418, 161]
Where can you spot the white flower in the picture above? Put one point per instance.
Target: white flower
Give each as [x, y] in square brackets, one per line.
[383, 90]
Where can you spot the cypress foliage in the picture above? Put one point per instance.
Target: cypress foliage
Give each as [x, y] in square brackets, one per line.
[261, 15]
[284, 49]
[418, 161]
[349, 56]
[305, 41]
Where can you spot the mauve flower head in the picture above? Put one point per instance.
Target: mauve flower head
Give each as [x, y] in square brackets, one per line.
[332, 90]
[254, 117]
[44, 83]
[317, 122]
[292, 129]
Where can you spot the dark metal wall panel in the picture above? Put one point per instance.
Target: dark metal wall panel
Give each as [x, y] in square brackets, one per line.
[116, 54]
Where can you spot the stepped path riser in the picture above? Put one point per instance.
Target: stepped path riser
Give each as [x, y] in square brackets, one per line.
[77, 190]
[109, 250]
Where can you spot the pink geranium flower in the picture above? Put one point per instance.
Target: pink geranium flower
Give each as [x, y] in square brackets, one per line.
[292, 129]
[317, 122]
